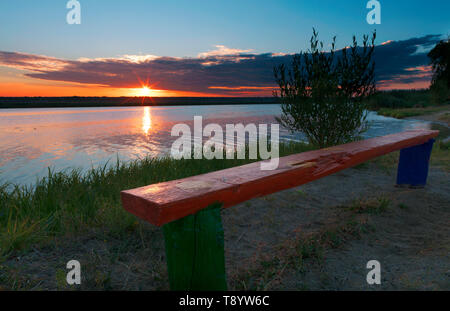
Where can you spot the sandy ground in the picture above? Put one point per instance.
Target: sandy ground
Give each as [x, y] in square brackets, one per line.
[411, 240]
[409, 236]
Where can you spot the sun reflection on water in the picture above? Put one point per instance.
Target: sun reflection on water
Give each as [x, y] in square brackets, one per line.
[146, 120]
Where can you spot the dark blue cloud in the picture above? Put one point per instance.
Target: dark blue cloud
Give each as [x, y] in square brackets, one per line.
[398, 61]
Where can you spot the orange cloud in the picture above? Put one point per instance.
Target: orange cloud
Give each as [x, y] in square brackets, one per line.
[396, 85]
[426, 69]
[387, 42]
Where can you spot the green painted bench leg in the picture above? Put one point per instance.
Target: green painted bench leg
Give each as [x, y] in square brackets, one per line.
[195, 251]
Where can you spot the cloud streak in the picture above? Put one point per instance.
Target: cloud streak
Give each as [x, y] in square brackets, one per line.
[224, 70]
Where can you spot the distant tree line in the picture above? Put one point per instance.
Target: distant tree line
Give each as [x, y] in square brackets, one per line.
[76, 101]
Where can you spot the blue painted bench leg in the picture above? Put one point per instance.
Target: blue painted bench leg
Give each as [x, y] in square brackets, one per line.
[413, 165]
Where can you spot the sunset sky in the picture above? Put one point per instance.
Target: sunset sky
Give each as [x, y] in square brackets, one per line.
[199, 48]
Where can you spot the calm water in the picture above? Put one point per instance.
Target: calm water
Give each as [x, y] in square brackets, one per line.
[31, 140]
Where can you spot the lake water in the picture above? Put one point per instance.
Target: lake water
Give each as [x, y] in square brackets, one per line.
[31, 140]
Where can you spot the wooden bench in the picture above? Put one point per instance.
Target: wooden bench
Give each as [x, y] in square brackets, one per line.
[189, 208]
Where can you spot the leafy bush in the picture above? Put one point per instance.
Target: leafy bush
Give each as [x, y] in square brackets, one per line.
[323, 93]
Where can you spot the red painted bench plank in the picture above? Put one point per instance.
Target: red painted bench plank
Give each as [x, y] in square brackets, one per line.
[168, 201]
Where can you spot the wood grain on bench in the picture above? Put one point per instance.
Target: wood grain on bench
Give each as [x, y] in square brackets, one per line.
[168, 201]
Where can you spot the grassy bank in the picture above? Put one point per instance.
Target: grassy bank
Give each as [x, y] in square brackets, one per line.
[68, 203]
[71, 202]
[405, 103]
[288, 240]
[401, 113]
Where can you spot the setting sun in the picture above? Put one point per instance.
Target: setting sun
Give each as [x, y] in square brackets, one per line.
[145, 91]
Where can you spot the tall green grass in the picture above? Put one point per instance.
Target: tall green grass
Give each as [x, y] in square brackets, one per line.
[72, 202]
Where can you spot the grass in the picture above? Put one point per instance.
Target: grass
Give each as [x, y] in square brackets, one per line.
[73, 202]
[297, 254]
[445, 117]
[440, 156]
[370, 206]
[294, 255]
[12, 280]
[70, 202]
[401, 113]
[406, 103]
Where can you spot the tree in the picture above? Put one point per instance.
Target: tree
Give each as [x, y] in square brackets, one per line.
[440, 60]
[323, 94]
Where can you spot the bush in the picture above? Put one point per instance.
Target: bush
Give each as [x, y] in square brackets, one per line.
[323, 94]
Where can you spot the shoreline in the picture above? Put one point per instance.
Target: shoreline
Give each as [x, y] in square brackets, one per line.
[309, 238]
[91, 102]
[438, 122]
[312, 237]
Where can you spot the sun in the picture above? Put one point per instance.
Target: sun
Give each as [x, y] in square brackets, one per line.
[145, 91]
